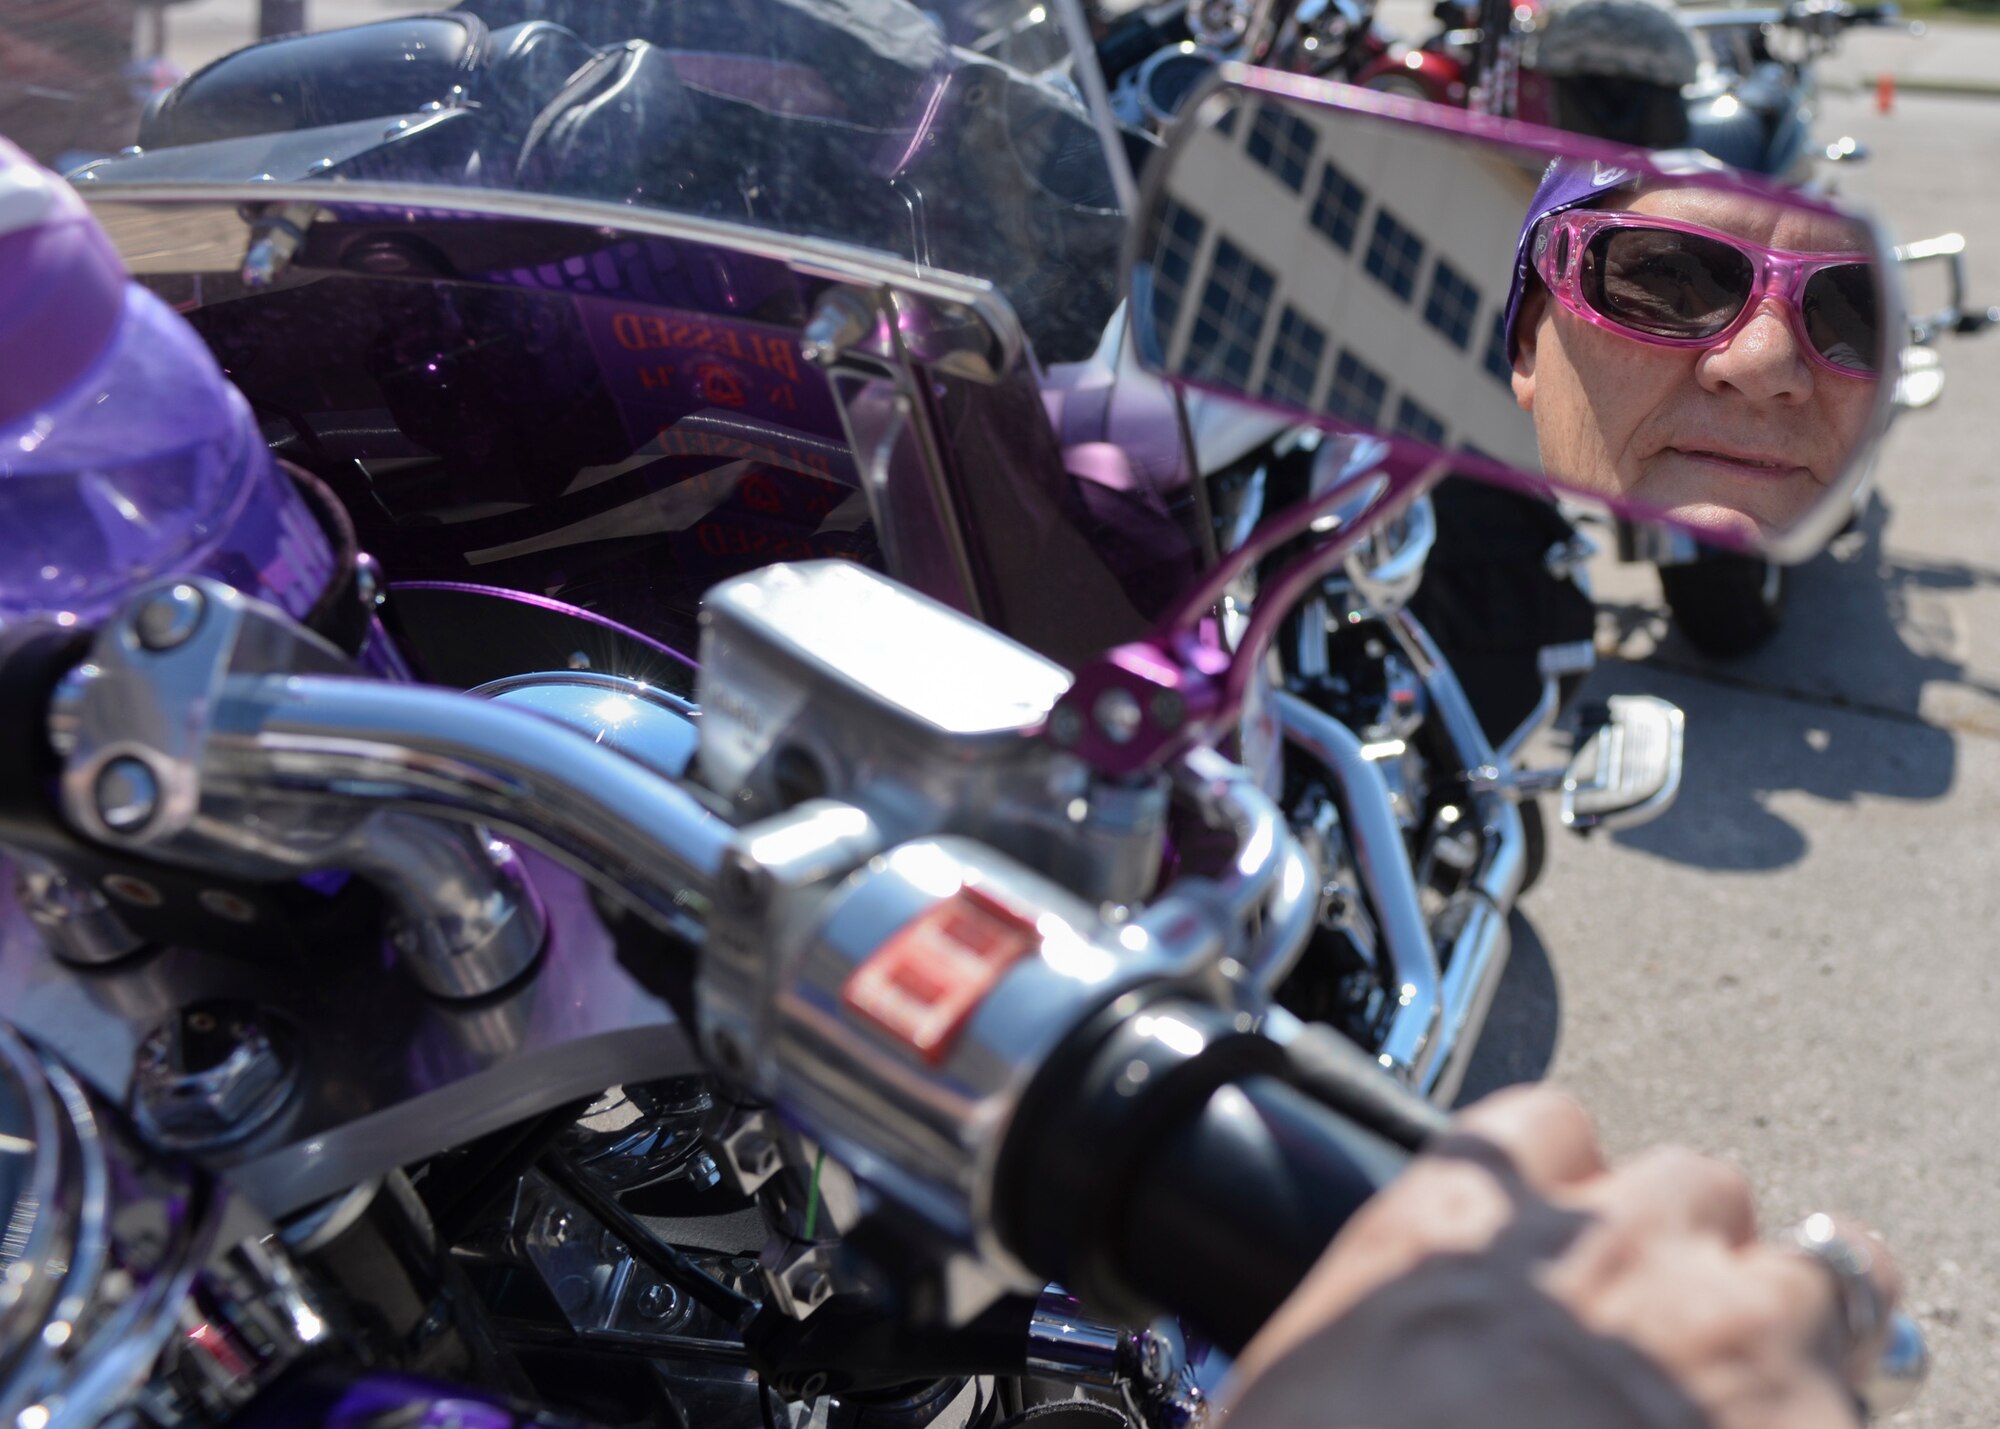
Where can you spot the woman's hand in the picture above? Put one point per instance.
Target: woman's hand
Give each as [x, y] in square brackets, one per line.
[1511, 1278]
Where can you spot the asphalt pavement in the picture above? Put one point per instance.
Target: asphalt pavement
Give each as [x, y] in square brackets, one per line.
[1795, 968]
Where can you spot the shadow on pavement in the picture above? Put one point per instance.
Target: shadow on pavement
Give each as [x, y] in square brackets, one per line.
[1854, 644]
[1520, 1037]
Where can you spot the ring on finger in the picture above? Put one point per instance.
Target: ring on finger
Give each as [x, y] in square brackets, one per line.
[1862, 1307]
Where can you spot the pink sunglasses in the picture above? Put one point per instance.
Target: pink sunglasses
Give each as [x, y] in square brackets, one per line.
[1676, 284]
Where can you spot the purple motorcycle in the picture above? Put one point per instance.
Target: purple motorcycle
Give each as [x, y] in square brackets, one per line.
[721, 782]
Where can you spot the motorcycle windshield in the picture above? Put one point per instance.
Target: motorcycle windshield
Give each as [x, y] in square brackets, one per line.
[509, 388]
[942, 136]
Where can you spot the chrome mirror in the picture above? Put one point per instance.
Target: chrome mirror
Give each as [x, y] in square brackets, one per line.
[1650, 333]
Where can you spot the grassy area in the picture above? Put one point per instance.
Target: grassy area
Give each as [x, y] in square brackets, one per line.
[1978, 11]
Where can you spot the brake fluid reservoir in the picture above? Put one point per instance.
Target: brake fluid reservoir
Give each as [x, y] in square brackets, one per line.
[125, 454]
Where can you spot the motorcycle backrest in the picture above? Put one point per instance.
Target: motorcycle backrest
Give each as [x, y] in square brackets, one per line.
[1365, 264]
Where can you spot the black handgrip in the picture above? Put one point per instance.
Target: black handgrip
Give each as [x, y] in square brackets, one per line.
[1174, 1159]
[1128, 44]
[1340, 1075]
[1235, 1204]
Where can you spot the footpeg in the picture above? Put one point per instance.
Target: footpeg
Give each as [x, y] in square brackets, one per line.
[1627, 770]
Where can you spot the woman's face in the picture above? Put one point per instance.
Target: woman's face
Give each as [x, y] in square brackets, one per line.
[1739, 438]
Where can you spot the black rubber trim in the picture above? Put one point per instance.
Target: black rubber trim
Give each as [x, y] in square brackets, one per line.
[34, 657]
[338, 614]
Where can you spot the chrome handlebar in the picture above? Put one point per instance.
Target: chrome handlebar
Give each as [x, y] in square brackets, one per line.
[636, 834]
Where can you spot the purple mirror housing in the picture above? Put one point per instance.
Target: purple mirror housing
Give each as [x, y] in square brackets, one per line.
[1309, 162]
[1142, 704]
[1368, 264]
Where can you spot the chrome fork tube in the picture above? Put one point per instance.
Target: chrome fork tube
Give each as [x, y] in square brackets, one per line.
[1480, 948]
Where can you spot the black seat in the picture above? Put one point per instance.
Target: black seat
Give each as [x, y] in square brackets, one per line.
[390, 67]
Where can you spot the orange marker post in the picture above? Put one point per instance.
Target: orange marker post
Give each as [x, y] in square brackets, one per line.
[1885, 92]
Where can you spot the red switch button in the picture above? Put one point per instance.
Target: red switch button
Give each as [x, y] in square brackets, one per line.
[931, 975]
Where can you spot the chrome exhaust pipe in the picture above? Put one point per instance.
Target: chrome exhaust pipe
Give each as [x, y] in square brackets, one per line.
[1412, 1043]
[1442, 1003]
[1479, 953]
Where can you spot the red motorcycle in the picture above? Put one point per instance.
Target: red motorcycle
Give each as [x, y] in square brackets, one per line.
[1443, 69]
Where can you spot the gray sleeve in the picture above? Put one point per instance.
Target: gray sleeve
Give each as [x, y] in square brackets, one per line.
[1463, 1341]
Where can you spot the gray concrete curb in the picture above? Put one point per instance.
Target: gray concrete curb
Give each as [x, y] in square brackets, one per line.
[1916, 84]
[1924, 84]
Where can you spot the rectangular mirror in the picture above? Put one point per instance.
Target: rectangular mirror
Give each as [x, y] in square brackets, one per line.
[1650, 333]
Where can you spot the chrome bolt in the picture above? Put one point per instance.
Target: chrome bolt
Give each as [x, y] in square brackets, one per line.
[210, 1074]
[1169, 709]
[136, 891]
[127, 795]
[755, 1154]
[703, 1171]
[1065, 726]
[60, 905]
[658, 1301]
[228, 906]
[168, 619]
[368, 581]
[1118, 715]
[841, 320]
[742, 883]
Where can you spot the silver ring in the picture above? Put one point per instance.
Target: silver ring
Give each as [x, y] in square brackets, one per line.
[1863, 1309]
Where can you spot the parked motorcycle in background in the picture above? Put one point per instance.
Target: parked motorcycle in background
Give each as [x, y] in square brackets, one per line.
[896, 1017]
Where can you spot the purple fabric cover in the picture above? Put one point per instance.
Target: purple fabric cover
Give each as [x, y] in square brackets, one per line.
[1569, 183]
[62, 288]
[125, 454]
